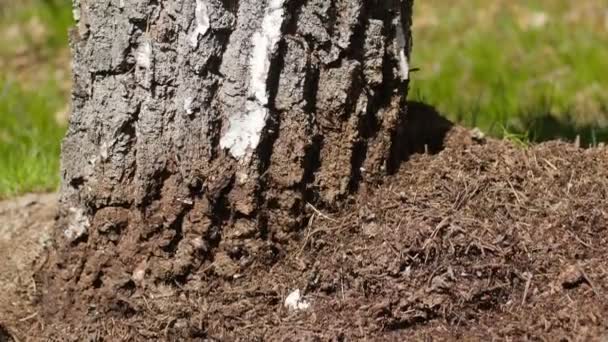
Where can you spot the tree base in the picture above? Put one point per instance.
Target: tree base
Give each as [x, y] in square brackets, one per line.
[206, 134]
[446, 237]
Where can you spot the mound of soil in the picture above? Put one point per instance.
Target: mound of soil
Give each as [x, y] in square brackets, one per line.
[483, 240]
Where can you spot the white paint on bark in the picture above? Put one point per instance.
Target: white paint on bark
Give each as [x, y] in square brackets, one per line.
[264, 44]
[201, 14]
[78, 226]
[188, 105]
[143, 57]
[245, 130]
[104, 151]
[404, 65]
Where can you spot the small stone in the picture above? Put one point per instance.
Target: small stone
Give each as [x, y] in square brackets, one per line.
[139, 273]
[370, 229]
[402, 196]
[477, 135]
[571, 277]
[295, 302]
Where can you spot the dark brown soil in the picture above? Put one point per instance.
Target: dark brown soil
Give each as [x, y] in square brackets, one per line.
[483, 240]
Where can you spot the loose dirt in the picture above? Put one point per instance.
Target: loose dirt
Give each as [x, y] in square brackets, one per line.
[484, 240]
[25, 227]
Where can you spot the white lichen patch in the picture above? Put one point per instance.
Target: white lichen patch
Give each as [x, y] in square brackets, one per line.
[76, 10]
[103, 151]
[295, 302]
[245, 129]
[78, 226]
[188, 105]
[143, 56]
[401, 46]
[201, 15]
[404, 65]
[264, 44]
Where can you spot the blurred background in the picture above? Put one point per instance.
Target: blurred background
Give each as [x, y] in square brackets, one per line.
[524, 70]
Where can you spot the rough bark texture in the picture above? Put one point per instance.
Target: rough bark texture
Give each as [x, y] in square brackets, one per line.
[201, 130]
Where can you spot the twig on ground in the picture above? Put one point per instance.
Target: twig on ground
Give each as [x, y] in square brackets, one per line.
[581, 241]
[591, 283]
[528, 283]
[25, 319]
[318, 212]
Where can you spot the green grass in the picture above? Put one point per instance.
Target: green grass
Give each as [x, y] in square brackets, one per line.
[483, 64]
[53, 17]
[31, 93]
[29, 139]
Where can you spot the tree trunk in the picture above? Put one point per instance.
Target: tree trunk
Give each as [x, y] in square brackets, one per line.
[202, 125]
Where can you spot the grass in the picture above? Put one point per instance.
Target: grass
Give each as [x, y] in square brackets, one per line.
[34, 84]
[525, 67]
[524, 70]
[29, 138]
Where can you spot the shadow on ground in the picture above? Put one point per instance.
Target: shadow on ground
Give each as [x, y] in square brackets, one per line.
[547, 127]
[423, 131]
[536, 124]
[4, 335]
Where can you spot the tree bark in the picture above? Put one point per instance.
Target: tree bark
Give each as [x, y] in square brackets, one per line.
[201, 125]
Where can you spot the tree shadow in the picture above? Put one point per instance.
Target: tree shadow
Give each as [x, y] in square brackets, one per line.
[424, 130]
[4, 335]
[546, 127]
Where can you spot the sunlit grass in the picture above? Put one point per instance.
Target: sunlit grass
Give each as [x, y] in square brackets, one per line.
[525, 67]
[34, 84]
[29, 139]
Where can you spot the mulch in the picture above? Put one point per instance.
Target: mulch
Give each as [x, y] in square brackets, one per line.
[485, 240]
